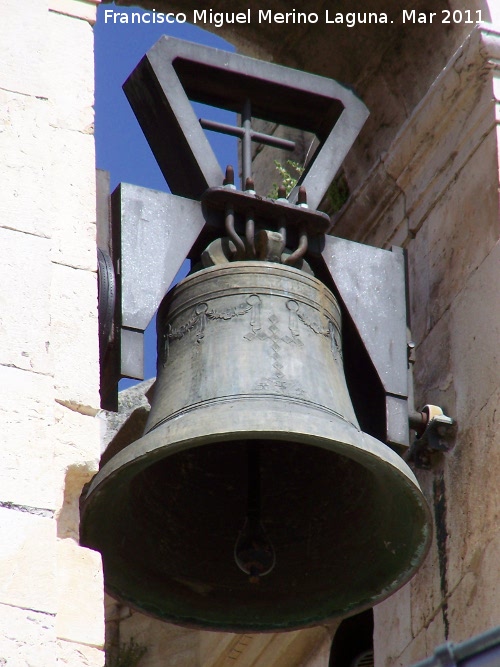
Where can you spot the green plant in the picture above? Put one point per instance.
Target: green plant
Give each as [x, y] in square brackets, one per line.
[129, 654]
[338, 193]
[288, 179]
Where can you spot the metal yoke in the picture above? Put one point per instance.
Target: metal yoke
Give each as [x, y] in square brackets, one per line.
[153, 232]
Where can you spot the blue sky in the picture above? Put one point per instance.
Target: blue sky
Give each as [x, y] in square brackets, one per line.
[121, 148]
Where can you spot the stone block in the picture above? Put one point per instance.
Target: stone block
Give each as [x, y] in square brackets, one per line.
[418, 284]
[473, 604]
[434, 380]
[70, 654]
[463, 228]
[426, 593]
[446, 150]
[24, 302]
[421, 646]
[82, 9]
[23, 36]
[27, 560]
[26, 414]
[371, 213]
[80, 614]
[182, 647]
[76, 449]
[392, 625]
[73, 199]
[74, 338]
[25, 203]
[475, 323]
[27, 638]
[456, 238]
[473, 523]
[70, 77]
[165, 643]
[391, 227]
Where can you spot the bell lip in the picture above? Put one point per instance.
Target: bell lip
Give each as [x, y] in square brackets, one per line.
[187, 431]
[190, 428]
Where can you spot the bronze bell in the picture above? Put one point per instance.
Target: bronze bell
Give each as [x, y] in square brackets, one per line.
[254, 502]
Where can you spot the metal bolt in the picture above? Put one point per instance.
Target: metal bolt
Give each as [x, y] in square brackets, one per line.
[302, 198]
[229, 180]
[249, 185]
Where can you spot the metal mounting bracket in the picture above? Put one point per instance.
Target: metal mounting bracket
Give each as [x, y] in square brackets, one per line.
[435, 433]
[174, 72]
[153, 232]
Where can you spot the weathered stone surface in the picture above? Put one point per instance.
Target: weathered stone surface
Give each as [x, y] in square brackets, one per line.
[473, 523]
[26, 272]
[70, 79]
[432, 146]
[76, 460]
[82, 9]
[74, 338]
[455, 249]
[181, 647]
[473, 602]
[433, 373]
[127, 425]
[424, 609]
[453, 272]
[27, 560]
[22, 67]
[421, 646]
[476, 328]
[392, 629]
[24, 136]
[26, 413]
[164, 642]
[73, 200]
[70, 654]
[27, 638]
[80, 615]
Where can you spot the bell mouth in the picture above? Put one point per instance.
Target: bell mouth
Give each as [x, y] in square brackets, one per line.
[345, 514]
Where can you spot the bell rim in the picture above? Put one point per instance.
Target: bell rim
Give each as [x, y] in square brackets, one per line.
[356, 445]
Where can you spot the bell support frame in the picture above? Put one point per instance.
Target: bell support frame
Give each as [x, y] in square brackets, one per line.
[153, 232]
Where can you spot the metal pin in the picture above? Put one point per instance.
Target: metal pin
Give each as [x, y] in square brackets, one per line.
[229, 179]
[302, 197]
[249, 185]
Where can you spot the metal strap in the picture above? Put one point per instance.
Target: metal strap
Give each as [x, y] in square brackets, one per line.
[445, 655]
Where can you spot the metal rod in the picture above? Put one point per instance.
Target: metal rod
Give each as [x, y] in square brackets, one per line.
[250, 235]
[240, 246]
[222, 128]
[269, 140]
[301, 248]
[418, 421]
[259, 137]
[253, 492]
[246, 144]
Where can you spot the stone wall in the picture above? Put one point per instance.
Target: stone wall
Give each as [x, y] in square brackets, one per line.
[441, 180]
[51, 606]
